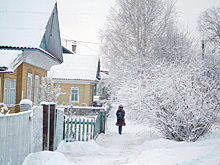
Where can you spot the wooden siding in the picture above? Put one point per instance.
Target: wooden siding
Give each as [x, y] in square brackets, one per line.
[84, 92]
[20, 74]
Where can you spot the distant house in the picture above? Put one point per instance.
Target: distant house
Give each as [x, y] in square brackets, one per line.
[77, 76]
[29, 45]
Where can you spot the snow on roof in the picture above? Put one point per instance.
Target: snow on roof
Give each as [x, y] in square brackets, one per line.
[23, 22]
[8, 57]
[76, 67]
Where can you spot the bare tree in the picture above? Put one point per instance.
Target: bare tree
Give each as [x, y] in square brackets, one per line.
[209, 25]
[156, 70]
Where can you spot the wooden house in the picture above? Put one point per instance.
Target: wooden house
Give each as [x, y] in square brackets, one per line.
[29, 45]
[77, 76]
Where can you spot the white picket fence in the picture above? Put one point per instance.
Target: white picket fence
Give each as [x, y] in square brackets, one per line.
[22, 133]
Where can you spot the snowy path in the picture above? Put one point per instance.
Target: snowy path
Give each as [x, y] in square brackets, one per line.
[139, 146]
[114, 148]
[136, 146]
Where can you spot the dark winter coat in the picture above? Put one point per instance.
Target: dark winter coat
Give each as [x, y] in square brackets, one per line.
[120, 122]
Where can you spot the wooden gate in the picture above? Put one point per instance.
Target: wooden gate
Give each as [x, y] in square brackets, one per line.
[49, 126]
[83, 129]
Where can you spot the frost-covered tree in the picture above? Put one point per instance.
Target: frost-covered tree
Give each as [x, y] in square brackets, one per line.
[209, 25]
[50, 90]
[156, 70]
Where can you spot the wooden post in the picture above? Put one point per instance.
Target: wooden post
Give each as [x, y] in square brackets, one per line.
[79, 132]
[75, 129]
[67, 130]
[53, 116]
[71, 130]
[87, 130]
[91, 130]
[83, 132]
[64, 131]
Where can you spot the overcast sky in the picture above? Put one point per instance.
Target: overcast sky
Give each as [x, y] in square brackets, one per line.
[81, 20]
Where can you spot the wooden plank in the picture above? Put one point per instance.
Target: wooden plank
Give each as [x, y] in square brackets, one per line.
[71, 130]
[83, 131]
[75, 129]
[79, 131]
[67, 130]
[87, 130]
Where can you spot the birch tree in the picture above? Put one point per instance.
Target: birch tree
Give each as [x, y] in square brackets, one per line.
[156, 70]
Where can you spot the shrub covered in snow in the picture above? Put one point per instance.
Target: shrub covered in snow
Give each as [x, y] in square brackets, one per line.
[51, 91]
[4, 109]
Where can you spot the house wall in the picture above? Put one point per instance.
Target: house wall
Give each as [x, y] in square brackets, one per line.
[84, 92]
[34, 71]
[20, 74]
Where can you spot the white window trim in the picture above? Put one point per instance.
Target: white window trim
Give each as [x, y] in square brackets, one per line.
[29, 76]
[0, 87]
[10, 93]
[74, 88]
[36, 84]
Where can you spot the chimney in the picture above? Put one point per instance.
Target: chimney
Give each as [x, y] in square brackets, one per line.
[74, 46]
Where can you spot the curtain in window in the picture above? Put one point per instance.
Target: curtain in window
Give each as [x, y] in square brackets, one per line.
[36, 83]
[42, 88]
[29, 83]
[9, 91]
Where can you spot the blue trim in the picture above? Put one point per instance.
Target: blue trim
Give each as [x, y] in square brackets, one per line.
[57, 19]
[43, 43]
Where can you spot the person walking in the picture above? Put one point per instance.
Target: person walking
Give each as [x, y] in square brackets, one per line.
[120, 118]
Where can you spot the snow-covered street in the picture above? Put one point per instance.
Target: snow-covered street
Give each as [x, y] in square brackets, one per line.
[137, 145]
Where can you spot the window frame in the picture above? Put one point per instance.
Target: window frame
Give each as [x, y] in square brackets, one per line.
[36, 84]
[73, 101]
[0, 88]
[42, 88]
[9, 92]
[29, 86]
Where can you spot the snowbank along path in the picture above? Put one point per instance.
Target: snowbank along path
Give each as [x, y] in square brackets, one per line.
[109, 148]
[140, 145]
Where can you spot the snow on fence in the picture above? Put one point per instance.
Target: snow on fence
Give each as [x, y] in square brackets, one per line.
[22, 133]
[19, 136]
[81, 128]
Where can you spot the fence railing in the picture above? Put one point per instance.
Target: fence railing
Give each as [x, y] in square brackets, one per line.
[84, 129]
[84, 111]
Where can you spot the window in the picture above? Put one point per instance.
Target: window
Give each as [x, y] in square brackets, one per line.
[74, 94]
[42, 88]
[36, 82]
[9, 91]
[29, 83]
[0, 88]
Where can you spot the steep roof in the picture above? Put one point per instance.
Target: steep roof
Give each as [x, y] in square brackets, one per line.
[23, 22]
[76, 67]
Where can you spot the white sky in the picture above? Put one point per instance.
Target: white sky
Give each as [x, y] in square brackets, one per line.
[81, 20]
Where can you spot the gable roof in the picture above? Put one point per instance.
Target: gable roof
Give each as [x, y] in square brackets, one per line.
[76, 67]
[23, 22]
[31, 24]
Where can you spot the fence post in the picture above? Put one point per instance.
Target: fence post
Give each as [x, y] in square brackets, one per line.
[64, 123]
[75, 129]
[54, 115]
[67, 130]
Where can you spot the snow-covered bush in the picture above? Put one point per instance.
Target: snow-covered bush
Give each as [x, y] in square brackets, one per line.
[157, 71]
[51, 91]
[4, 109]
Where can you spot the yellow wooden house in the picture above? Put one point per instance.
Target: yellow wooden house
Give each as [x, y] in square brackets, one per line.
[77, 76]
[29, 45]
